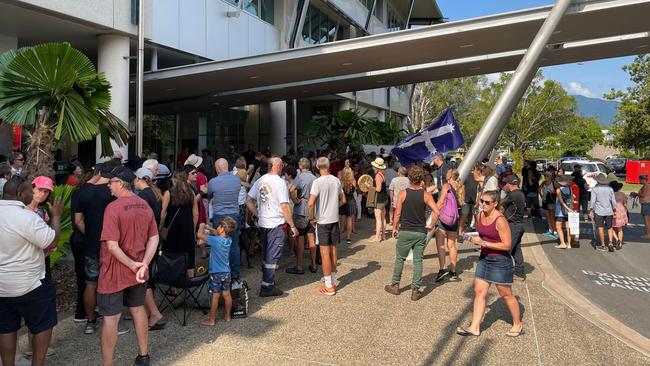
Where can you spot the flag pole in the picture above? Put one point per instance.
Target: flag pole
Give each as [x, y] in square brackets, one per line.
[509, 98]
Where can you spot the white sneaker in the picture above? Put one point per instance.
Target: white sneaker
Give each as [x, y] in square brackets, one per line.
[50, 351]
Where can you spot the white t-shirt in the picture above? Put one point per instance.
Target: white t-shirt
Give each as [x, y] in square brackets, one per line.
[397, 185]
[326, 189]
[270, 191]
[24, 236]
[390, 175]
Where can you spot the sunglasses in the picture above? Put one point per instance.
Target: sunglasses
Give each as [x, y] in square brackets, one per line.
[487, 202]
[114, 181]
[193, 172]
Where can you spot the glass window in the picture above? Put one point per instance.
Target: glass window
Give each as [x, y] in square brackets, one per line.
[260, 8]
[394, 20]
[251, 6]
[319, 28]
[267, 13]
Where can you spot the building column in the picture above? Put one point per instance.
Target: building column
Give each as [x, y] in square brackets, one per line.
[278, 141]
[6, 131]
[113, 61]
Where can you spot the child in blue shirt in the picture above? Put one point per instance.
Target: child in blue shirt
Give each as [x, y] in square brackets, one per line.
[219, 241]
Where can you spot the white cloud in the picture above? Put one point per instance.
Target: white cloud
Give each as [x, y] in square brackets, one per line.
[575, 87]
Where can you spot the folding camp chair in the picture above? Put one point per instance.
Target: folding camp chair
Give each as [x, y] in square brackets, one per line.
[171, 272]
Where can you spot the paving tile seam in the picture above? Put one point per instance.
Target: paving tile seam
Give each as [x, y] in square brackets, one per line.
[583, 307]
[532, 318]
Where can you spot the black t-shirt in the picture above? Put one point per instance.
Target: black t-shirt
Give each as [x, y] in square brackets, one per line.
[93, 200]
[471, 188]
[514, 206]
[149, 197]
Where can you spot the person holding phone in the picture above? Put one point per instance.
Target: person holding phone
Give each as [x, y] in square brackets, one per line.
[494, 266]
[410, 218]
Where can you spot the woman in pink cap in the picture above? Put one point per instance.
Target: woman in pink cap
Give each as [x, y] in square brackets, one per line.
[42, 187]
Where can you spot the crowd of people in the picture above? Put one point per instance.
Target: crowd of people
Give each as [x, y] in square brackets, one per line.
[124, 214]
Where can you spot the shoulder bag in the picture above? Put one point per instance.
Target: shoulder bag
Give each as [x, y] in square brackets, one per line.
[165, 229]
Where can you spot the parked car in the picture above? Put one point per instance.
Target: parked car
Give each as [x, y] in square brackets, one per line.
[617, 165]
[589, 169]
[542, 164]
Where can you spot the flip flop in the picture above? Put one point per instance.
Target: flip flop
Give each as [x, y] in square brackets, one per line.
[461, 331]
[157, 326]
[516, 334]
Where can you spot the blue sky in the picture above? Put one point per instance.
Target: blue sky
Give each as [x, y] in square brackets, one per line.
[592, 78]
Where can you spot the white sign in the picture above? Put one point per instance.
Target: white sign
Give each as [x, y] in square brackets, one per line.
[574, 223]
[634, 283]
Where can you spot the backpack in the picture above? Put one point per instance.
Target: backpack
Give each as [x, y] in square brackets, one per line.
[449, 211]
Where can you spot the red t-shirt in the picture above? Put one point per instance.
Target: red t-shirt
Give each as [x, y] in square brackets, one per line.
[129, 221]
[72, 180]
[201, 180]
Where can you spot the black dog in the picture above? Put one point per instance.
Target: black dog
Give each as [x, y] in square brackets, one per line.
[249, 242]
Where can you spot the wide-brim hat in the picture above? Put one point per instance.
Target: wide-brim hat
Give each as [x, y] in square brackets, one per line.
[563, 180]
[379, 164]
[194, 160]
[616, 185]
[601, 178]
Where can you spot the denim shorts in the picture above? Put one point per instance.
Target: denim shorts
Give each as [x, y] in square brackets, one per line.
[497, 269]
[220, 281]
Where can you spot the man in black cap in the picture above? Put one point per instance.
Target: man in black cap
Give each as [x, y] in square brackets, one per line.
[129, 240]
[514, 205]
[89, 216]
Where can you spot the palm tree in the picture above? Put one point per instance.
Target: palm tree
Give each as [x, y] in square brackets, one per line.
[351, 129]
[55, 91]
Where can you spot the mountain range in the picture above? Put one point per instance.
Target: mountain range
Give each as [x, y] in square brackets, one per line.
[603, 110]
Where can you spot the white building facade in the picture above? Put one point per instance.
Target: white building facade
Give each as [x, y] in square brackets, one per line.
[181, 32]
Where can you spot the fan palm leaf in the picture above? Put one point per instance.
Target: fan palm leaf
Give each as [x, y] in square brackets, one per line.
[55, 87]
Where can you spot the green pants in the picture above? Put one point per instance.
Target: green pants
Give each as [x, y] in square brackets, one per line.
[417, 242]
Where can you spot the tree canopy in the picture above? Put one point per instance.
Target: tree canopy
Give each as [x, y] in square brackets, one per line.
[632, 125]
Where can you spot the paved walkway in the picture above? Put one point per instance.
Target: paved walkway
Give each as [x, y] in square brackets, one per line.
[363, 325]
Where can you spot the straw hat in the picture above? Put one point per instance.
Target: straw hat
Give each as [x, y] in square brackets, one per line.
[194, 160]
[379, 164]
[601, 178]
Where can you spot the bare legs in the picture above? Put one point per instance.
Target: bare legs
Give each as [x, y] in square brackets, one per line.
[214, 306]
[109, 333]
[447, 240]
[348, 227]
[40, 342]
[481, 288]
[90, 300]
[152, 308]
[380, 224]
[550, 215]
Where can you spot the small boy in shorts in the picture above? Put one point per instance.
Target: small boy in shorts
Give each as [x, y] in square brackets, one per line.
[220, 280]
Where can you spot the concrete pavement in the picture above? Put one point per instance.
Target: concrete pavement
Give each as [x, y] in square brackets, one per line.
[363, 325]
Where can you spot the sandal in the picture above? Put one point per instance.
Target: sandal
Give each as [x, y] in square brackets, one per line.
[294, 270]
[157, 326]
[462, 331]
[516, 334]
[313, 269]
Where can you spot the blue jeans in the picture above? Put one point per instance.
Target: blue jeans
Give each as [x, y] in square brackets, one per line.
[235, 252]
